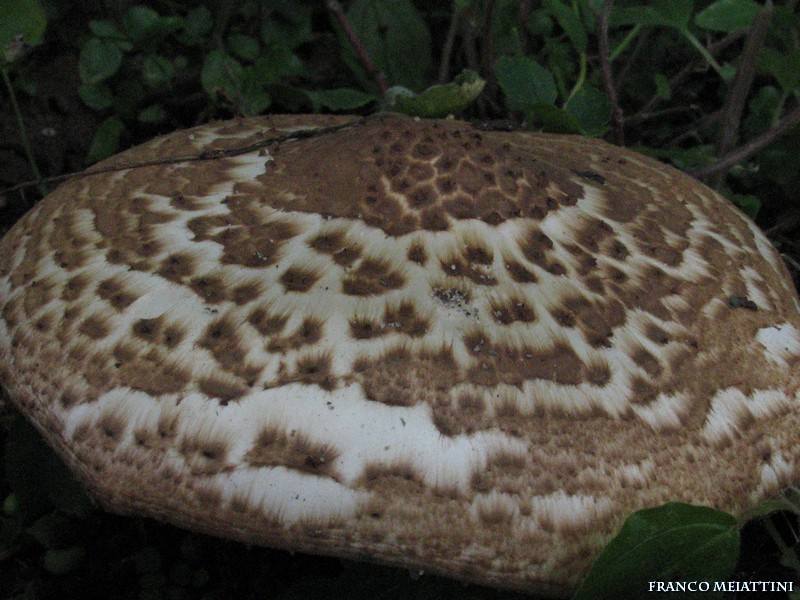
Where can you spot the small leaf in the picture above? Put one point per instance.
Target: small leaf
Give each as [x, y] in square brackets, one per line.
[525, 82]
[196, 25]
[139, 21]
[221, 72]
[340, 98]
[570, 23]
[591, 108]
[155, 113]
[157, 71]
[396, 37]
[672, 542]
[100, 58]
[105, 28]
[747, 203]
[243, 46]
[97, 97]
[105, 141]
[727, 15]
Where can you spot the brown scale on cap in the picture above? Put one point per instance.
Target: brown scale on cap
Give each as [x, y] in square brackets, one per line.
[469, 352]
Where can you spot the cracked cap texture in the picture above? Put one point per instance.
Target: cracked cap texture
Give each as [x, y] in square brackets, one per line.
[413, 342]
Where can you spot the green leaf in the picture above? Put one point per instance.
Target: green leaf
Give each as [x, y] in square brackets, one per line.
[243, 46]
[437, 100]
[105, 28]
[196, 26]
[727, 15]
[592, 109]
[340, 99]
[157, 71]
[570, 23]
[97, 97]
[155, 113]
[748, 203]
[221, 72]
[105, 142]
[525, 82]
[22, 24]
[785, 68]
[674, 542]
[665, 13]
[396, 37]
[552, 118]
[100, 58]
[139, 22]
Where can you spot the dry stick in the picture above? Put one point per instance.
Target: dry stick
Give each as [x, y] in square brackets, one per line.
[206, 155]
[788, 121]
[608, 80]
[449, 42]
[363, 56]
[740, 88]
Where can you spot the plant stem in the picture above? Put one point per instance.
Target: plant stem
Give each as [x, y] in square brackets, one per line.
[23, 134]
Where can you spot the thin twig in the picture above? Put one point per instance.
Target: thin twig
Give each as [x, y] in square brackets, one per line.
[449, 42]
[740, 87]
[205, 155]
[361, 52]
[690, 68]
[608, 80]
[788, 121]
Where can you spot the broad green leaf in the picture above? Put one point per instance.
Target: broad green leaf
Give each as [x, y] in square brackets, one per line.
[396, 37]
[221, 72]
[22, 24]
[727, 15]
[243, 46]
[525, 82]
[785, 68]
[592, 109]
[340, 99]
[139, 21]
[99, 59]
[438, 100]
[196, 25]
[552, 118]
[674, 542]
[105, 141]
[570, 23]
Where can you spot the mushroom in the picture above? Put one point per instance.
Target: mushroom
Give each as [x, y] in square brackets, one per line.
[413, 342]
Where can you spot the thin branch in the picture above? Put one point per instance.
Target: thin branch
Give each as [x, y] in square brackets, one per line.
[788, 121]
[361, 52]
[740, 88]
[690, 68]
[449, 42]
[205, 155]
[608, 80]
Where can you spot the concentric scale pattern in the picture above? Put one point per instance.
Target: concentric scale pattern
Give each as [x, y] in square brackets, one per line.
[413, 342]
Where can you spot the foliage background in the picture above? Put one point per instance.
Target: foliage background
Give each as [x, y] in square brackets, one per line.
[711, 86]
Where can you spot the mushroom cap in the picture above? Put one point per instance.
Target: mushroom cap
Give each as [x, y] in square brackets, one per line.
[412, 342]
